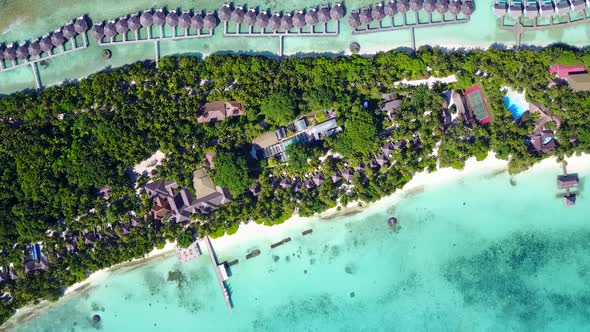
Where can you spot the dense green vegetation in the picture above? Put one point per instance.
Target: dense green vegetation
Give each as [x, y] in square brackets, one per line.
[59, 146]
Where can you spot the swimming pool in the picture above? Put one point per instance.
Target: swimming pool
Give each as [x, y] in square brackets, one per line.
[516, 109]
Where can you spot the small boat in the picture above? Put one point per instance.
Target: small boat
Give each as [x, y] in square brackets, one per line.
[392, 222]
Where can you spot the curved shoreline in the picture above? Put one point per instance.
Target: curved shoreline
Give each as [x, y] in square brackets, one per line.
[420, 182]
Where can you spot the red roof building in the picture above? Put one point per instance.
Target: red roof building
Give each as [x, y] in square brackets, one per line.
[477, 104]
[563, 71]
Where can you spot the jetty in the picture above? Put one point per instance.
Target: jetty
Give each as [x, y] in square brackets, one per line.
[567, 182]
[220, 272]
[260, 23]
[49, 46]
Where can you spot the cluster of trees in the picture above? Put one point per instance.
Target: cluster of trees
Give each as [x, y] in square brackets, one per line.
[60, 145]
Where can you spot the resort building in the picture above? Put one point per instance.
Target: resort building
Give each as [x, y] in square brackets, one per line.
[579, 82]
[477, 104]
[390, 106]
[542, 142]
[567, 181]
[563, 71]
[36, 260]
[219, 111]
[274, 144]
[179, 203]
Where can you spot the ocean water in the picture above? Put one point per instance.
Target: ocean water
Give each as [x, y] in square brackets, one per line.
[29, 19]
[486, 252]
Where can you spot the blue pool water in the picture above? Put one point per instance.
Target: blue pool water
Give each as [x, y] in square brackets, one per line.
[516, 109]
[547, 140]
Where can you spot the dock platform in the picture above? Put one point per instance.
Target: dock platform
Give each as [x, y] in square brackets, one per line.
[220, 272]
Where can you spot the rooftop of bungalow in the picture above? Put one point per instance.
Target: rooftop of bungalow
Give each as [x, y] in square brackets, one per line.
[563, 71]
[579, 82]
[219, 110]
[567, 181]
[542, 142]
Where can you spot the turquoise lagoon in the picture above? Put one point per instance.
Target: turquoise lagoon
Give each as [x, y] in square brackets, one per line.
[28, 19]
[485, 252]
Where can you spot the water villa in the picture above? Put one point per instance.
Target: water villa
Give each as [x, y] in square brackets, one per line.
[262, 24]
[567, 182]
[44, 48]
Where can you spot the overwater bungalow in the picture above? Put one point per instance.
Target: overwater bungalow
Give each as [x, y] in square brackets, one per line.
[274, 23]
[224, 12]
[337, 12]
[299, 19]
[377, 13]
[500, 7]
[547, 8]
[134, 22]
[159, 18]
[237, 15]
[403, 6]
[467, 7]
[415, 5]
[578, 5]
[354, 20]
[197, 22]
[172, 19]
[210, 21]
[567, 181]
[532, 9]
[515, 9]
[455, 7]
[146, 18]
[324, 14]
[390, 8]
[57, 38]
[262, 19]
[34, 48]
[22, 52]
[69, 30]
[250, 17]
[429, 6]
[311, 16]
[365, 16]
[121, 26]
[442, 6]
[184, 20]
[80, 25]
[286, 22]
[46, 44]
[569, 200]
[110, 31]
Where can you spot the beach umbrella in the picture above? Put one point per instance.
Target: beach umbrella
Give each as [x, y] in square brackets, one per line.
[442, 6]
[415, 5]
[146, 19]
[390, 8]
[22, 52]
[69, 31]
[262, 20]
[455, 7]
[35, 48]
[80, 25]
[110, 30]
[286, 22]
[429, 5]
[184, 21]
[57, 38]
[46, 44]
[299, 19]
[210, 21]
[378, 12]
[274, 23]
[224, 12]
[354, 20]
[337, 12]
[311, 17]
[197, 22]
[10, 53]
[121, 26]
[238, 15]
[467, 8]
[365, 16]
[250, 17]
[402, 6]
[172, 19]
[324, 15]
[159, 18]
[134, 22]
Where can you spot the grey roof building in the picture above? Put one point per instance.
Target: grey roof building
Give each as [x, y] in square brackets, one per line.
[318, 179]
[337, 11]
[390, 8]
[224, 12]
[34, 48]
[311, 16]
[354, 20]
[134, 22]
[146, 18]
[121, 26]
[57, 38]
[197, 22]
[109, 30]
[378, 12]
[210, 21]
[97, 32]
[286, 22]
[80, 25]
[69, 30]
[347, 174]
[262, 20]
[238, 15]
[172, 19]
[274, 23]
[160, 188]
[324, 14]
[250, 17]
[159, 18]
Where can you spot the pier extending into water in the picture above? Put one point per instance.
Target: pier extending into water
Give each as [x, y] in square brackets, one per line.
[220, 272]
[519, 28]
[567, 181]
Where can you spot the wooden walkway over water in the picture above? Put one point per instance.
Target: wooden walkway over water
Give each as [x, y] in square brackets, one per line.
[519, 28]
[219, 272]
